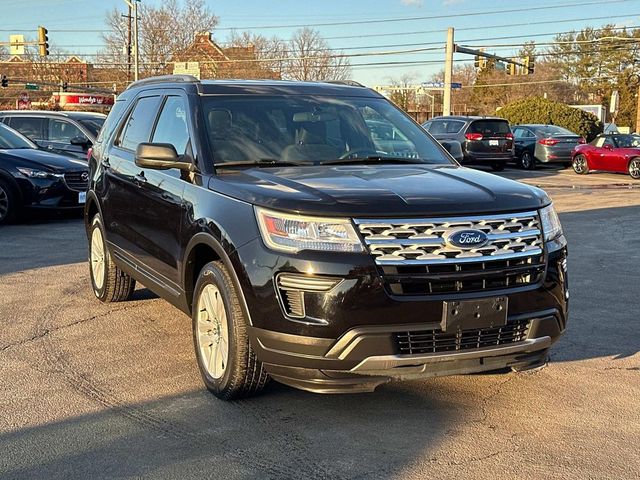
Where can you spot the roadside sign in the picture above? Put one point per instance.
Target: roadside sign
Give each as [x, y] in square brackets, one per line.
[187, 68]
[23, 102]
[31, 86]
[454, 85]
[16, 44]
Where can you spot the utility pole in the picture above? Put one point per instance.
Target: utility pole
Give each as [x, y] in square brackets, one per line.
[128, 17]
[448, 73]
[133, 8]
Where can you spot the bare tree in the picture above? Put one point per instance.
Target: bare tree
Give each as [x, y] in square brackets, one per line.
[270, 53]
[163, 31]
[311, 59]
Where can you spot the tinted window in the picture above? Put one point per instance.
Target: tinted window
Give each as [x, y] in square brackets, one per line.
[550, 130]
[627, 141]
[445, 126]
[28, 126]
[172, 125]
[10, 139]
[62, 131]
[112, 120]
[312, 129]
[93, 124]
[488, 127]
[139, 124]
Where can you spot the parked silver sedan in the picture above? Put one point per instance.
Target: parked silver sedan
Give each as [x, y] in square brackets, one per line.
[545, 144]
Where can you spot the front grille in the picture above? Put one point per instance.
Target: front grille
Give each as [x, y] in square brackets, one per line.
[437, 341]
[77, 181]
[416, 259]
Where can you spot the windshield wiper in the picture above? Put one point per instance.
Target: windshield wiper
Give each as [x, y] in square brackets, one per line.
[373, 159]
[262, 162]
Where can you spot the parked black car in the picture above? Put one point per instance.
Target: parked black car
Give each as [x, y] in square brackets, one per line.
[67, 133]
[32, 178]
[483, 140]
[545, 144]
[266, 211]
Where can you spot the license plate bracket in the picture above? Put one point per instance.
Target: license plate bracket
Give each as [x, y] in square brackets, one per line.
[474, 314]
[494, 143]
[82, 197]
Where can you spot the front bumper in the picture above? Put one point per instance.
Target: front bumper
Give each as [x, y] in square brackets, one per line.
[48, 194]
[348, 341]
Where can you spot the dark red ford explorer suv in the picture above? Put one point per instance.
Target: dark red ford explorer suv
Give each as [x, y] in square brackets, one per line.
[308, 248]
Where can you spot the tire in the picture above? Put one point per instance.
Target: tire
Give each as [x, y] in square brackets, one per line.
[109, 283]
[8, 203]
[634, 168]
[580, 165]
[497, 166]
[217, 318]
[527, 161]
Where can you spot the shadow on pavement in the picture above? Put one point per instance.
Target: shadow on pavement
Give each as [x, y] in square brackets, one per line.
[276, 435]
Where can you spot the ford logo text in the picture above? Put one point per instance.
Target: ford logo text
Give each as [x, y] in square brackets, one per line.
[467, 238]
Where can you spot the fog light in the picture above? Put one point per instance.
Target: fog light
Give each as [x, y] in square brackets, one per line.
[291, 288]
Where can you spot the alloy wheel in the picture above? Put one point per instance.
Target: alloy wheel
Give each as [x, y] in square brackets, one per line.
[97, 258]
[527, 161]
[212, 331]
[579, 164]
[634, 168]
[4, 203]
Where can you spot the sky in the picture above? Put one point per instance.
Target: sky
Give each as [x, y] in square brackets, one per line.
[396, 25]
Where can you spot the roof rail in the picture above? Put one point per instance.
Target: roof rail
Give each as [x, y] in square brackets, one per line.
[164, 79]
[350, 83]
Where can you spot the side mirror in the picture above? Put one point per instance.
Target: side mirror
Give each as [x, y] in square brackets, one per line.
[82, 141]
[159, 156]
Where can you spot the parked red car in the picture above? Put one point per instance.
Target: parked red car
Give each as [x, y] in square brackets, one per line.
[610, 152]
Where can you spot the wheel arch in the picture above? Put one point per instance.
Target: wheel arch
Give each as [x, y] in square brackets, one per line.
[202, 249]
[6, 176]
[91, 207]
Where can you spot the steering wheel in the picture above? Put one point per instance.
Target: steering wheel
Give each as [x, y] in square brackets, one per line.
[354, 153]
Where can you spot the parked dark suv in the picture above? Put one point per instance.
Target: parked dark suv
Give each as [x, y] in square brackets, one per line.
[483, 140]
[305, 250]
[67, 133]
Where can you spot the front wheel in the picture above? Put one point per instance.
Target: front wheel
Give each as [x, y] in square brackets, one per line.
[8, 203]
[110, 284]
[227, 363]
[580, 165]
[527, 161]
[634, 168]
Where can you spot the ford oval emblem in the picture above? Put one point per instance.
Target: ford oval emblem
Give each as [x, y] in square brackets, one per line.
[469, 238]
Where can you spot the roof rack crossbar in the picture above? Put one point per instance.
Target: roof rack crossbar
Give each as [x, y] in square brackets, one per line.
[350, 83]
[164, 79]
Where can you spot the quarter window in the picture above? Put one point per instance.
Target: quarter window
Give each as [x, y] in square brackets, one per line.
[172, 125]
[139, 123]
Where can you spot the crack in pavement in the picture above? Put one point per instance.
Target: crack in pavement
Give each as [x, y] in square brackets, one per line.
[43, 333]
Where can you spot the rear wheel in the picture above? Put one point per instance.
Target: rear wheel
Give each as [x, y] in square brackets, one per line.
[527, 161]
[227, 363]
[634, 168]
[580, 165]
[8, 203]
[110, 284]
[497, 166]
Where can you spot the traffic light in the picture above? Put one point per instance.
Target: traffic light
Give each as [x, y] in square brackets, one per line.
[480, 62]
[529, 61]
[5, 81]
[43, 41]
[511, 69]
[65, 85]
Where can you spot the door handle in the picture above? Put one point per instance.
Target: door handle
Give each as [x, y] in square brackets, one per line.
[140, 179]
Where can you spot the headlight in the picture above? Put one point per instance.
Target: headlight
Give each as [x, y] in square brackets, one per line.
[550, 223]
[31, 173]
[292, 233]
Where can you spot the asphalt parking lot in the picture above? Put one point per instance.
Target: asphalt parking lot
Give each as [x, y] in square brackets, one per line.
[111, 391]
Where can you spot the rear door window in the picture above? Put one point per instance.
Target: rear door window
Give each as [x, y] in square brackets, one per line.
[31, 127]
[62, 131]
[490, 127]
[445, 126]
[140, 123]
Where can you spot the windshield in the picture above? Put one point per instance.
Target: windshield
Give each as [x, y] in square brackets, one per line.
[11, 139]
[627, 141]
[550, 130]
[93, 124]
[310, 129]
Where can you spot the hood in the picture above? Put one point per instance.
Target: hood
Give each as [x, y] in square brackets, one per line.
[385, 190]
[33, 158]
